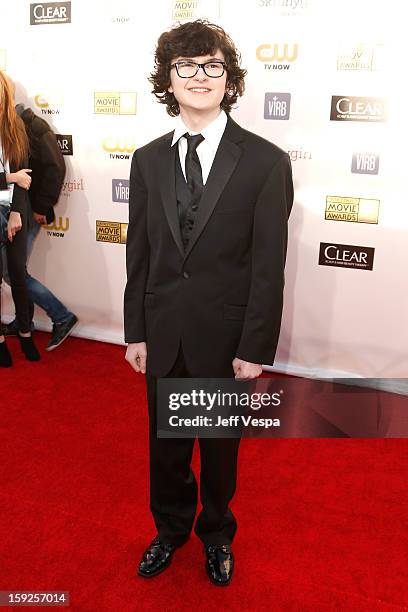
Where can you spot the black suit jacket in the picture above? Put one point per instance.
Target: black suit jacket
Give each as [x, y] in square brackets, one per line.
[223, 297]
[47, 164]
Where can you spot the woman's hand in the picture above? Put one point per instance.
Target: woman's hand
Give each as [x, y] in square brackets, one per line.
[14, 225]
[21, 178]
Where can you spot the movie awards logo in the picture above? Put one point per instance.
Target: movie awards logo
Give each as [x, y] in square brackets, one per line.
[3, 59]
[65, 143]
[49, 104]
[72, 185]
[115, 103]
[286, 7]
[277, 57]
[298, 153]
[365, 163]
[363, 57]
[111, 231]
[58, 228]
[357, 210]
[351, 108]
[192, 9]
[277, 106]
[118, 148]
[120, 190]
[346, 256]
[50, 12]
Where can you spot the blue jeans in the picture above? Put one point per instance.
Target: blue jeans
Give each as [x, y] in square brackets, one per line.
[38, 293]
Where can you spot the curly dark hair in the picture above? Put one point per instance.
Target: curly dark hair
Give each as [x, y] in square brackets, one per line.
[193, 39]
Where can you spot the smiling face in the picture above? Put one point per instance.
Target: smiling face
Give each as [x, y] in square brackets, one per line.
[199, 94]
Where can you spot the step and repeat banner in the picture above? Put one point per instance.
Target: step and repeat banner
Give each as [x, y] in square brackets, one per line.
[324, 83]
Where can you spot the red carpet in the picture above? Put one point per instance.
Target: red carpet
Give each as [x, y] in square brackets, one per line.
[322, 523]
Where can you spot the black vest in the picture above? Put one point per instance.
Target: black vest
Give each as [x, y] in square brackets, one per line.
[186, 207]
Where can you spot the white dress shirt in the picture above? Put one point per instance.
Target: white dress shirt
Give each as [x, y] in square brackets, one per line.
[6, 195]
[207, 149]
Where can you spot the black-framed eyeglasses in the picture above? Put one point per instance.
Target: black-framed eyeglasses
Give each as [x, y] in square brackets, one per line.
[187, 69]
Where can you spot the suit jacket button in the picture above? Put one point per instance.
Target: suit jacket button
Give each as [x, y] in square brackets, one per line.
[186, 274]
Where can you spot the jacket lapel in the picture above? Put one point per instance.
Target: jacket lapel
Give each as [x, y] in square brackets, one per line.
[167, 182]
[225, 162]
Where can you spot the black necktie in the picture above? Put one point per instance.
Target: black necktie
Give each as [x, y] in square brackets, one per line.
[193, 167]
[187, 206]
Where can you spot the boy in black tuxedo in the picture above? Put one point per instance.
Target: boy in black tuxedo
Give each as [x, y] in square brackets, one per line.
[206, 247]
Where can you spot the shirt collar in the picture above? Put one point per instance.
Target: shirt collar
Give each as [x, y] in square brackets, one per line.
[212, 132]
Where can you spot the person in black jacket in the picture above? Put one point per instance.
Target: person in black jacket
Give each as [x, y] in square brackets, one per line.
[48, 171]
[206, 245]
[13, 219]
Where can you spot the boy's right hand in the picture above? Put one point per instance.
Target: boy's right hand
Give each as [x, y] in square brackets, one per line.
[136, 354]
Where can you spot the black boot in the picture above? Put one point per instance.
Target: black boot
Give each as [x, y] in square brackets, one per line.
[5, 357]
[28, 347]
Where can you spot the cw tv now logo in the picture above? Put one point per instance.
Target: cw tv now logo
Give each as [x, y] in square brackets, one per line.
[277, 56]
[118, 147]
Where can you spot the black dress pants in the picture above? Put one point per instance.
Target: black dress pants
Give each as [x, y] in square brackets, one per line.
[173, 486]
[16, 253]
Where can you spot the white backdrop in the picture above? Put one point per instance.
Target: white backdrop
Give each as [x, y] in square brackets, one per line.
[88, 78]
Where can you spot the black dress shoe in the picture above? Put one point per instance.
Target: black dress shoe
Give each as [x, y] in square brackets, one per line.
[156, 558]
[219, 564]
